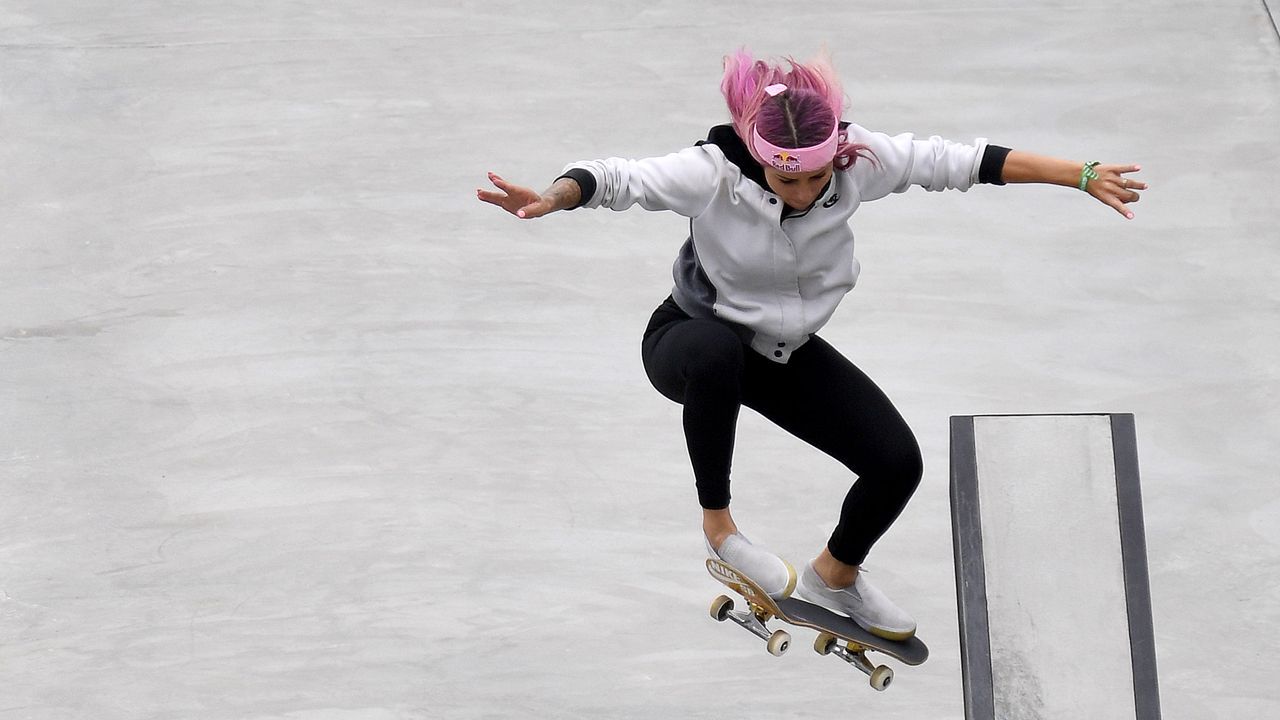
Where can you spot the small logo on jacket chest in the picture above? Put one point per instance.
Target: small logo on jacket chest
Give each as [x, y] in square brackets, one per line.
[835, 198]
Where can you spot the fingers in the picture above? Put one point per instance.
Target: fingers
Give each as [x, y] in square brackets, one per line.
[1128, 183]
[1115, 190]
[515, 199]
[502, 184]
[502, 200]
[1119, 207]
[492, 197]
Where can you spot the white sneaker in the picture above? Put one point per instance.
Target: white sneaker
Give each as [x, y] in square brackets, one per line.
[867, 606]
[773, 574]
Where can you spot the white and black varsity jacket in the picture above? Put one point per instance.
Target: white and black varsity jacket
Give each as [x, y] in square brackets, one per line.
[776, 278]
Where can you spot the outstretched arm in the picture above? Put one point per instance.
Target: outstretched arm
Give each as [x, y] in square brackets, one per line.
[527, 204]
[1110, 186]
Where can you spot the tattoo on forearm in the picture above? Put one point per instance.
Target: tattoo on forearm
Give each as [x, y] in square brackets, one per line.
[564, 193]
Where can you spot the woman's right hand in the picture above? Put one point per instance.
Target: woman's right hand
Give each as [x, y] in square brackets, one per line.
[520, 201]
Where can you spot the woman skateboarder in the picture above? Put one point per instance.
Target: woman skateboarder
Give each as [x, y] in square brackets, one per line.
[769, 258]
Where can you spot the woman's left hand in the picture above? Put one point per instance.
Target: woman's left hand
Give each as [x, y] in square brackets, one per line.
[1113, 188]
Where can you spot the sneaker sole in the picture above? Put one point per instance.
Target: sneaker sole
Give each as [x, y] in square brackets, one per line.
[792, 580]
[897, 636]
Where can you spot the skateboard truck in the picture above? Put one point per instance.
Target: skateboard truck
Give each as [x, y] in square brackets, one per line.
[855, 655]
[777, 641]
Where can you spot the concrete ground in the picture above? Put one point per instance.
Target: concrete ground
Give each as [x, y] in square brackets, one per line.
[294, 427]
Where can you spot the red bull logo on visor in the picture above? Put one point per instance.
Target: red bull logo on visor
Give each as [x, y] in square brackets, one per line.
[786, 162]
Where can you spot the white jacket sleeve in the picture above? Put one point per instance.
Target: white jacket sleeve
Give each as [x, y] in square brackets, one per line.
[684, 182]
[902, 161]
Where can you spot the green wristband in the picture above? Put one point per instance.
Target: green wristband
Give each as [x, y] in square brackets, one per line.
[1088, 173]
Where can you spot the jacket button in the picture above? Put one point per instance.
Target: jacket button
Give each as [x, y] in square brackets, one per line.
[777, 353]
[773, 201]
[782, 344]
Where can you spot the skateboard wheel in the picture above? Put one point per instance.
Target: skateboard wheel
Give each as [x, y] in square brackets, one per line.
[779, 641]
[720, 608]
[825, 643]
[881, 677]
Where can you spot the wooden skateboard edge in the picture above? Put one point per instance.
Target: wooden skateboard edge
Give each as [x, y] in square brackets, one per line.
[737, 581]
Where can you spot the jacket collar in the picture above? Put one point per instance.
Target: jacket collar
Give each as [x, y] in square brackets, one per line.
[736, 152]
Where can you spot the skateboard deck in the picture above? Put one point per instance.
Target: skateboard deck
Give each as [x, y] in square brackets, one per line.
[832, 627]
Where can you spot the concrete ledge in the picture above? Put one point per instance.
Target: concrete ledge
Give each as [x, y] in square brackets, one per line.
[1051, 571]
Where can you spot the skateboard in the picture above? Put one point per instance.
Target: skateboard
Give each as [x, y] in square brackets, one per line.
[832, 627]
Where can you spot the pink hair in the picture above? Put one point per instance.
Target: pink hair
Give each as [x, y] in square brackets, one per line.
[802, 116]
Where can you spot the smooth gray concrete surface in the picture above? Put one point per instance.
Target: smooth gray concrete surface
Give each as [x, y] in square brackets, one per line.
[294, 427]
[1047, 496]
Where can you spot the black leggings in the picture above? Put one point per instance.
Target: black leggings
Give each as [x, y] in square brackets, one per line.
[818, 396]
